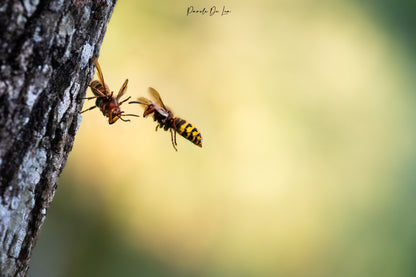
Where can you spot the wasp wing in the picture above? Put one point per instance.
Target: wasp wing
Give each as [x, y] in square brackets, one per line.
[156, 97]
[144, 101]
[159, 105]
[122, 90]
[95, 90]
[161, 110]
[100, 73]
[149, 106]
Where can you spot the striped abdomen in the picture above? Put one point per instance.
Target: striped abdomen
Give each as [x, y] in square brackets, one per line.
[188, 131]
[96, 85]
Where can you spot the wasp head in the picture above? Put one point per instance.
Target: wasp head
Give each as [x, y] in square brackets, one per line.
[148, 110]
[115, 114]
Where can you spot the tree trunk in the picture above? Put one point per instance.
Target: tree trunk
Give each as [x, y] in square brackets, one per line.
[45, 68]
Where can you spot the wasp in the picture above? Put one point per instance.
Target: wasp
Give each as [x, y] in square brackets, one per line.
[166, 120]
[108, 104]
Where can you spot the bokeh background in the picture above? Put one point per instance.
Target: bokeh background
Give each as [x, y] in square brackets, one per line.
[307, 168]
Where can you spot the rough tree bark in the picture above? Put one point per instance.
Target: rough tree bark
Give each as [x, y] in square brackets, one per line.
[45, 67]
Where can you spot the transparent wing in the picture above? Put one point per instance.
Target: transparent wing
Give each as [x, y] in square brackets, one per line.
[161, 110]
[122, 90]
[144, 101]
[157, 97]
[155, 107]
[95, 89]
[100, 73]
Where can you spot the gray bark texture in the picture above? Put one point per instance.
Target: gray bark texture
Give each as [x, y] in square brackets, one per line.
[45, 67]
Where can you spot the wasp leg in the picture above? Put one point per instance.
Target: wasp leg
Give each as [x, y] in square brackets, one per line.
[157, 127]
[89, 109]
[124, 100]
[89, 98]
[171, 138]
[174, 129]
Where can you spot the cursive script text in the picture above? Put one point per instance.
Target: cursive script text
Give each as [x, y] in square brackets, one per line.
[191, 10]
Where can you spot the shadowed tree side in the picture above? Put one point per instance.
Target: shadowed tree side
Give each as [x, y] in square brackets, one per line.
[45, 68]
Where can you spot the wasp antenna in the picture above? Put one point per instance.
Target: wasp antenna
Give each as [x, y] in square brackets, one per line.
[131, 115]
[125, 120]
[136, 102]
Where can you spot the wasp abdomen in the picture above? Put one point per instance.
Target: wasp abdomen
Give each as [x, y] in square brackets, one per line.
[188, 131]
[97, 85]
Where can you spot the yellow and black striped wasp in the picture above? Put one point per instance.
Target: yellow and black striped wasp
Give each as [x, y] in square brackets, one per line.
[108, 104]
[166, 120]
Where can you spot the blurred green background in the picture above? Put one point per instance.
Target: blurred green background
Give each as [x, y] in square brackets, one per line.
[307, 112]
